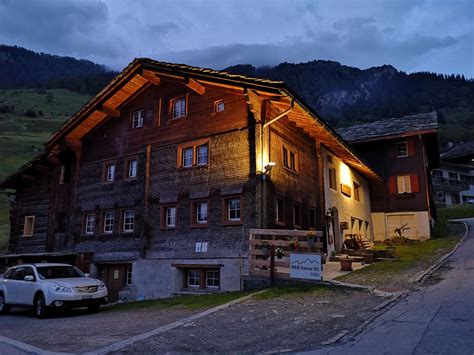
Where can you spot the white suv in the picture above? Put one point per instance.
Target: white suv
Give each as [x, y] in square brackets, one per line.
[45, 285]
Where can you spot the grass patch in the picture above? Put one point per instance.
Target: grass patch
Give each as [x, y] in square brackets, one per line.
[293, 290]
[408, 256]
[187, 302]
[446, 213]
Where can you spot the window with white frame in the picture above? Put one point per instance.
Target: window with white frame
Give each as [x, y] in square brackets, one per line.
[29, 226]
[110, 172]
[132, 168]
[170, 218]
[109, 222]
[187, 158]
[137, 118]
[403, 184]
[233, 209]
[219, 106]
[194, 278]
[179, 107]
[129, 275]
[201, 212]
[402, 149]
[202, 154]
[89, 225]
[212, 278]
[128, 220]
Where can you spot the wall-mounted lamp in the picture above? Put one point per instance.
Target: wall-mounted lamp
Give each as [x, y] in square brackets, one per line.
[268, 168]
[329, 212]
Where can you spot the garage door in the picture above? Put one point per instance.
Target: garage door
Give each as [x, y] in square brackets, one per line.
[398, 220]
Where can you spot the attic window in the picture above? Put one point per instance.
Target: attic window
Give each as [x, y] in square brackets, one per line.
[402, 149]
[219, 106]
[178, 107]
[137, 118]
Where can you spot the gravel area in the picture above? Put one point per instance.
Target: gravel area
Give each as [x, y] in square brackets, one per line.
[293, 322]
[77, 331]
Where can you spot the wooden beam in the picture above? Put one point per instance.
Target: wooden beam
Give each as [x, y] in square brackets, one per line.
[110, 111]
[196, 86]
[151, 77]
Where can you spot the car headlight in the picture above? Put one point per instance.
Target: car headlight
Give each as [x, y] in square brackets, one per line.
[59, 288]
[102, 286]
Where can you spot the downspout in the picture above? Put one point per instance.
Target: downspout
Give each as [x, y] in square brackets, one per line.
[427, 183]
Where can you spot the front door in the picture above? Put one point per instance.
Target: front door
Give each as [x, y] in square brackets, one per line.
[116, 279]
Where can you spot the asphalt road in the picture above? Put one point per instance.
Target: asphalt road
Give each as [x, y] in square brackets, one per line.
[439, 319]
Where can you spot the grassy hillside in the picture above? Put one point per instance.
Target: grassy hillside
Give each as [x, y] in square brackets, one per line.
[27, 118]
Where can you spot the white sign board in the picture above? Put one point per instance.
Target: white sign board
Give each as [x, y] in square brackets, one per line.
[305, 266]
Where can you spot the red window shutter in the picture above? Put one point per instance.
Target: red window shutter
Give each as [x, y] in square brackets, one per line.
[411, 147]
[415, 185]
[392, 184]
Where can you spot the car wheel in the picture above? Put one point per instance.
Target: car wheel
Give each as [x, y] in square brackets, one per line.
[40, 307]
[93, 308]
[4, 308]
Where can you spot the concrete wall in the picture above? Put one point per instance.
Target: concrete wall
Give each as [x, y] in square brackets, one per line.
[420, 230]
[347, 207]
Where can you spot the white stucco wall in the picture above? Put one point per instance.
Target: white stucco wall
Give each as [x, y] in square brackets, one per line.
[347, 207]
[419, 230]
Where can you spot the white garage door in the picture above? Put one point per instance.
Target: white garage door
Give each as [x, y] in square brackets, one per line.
[398, 220]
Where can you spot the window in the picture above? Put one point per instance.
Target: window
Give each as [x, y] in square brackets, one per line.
[232, 209]
[89, 224]
[357, 191]
[170, 217]
[109, 222]
[212, 278]
[332, 179]
[178, 107]
[312, 218]
[290, 159]
[453, 175]
[402, 149]
[29, 226]
[137, 118]
[194, 278]
[187, 157]
[219, 106]
[202, 154]
[280, 211]
[437, 173]
[403, 184]
[296, 215]
[132, 168]
[201, 212]
[110, 172]
[128, 220]
[129, 275]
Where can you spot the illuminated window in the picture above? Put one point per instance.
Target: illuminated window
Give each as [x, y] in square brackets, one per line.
[137, 118]
[403, 184]
[179, 107]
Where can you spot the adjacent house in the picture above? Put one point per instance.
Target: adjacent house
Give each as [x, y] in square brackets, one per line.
[154, 184]
[453, 181]
[404, 150]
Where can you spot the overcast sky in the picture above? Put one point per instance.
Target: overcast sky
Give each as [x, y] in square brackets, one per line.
[412, 35]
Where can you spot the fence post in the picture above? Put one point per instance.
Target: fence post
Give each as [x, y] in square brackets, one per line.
[272, 265]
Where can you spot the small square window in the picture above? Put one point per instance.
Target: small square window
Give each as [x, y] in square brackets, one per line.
[187, 158]
[89, 224]
[179, 107]
[128, 220]
[212, 278]
[29, 226]
[219, 106]
[110, 172]
[202, 154]
[194, 278]
[170, 217]
[132, 168]
[137, 118]
[233, 209]
[109, 222]
[201, 212]
[402, 149]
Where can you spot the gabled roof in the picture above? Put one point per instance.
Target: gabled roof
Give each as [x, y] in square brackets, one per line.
[459, 150]
[143, 72]
[392, 127]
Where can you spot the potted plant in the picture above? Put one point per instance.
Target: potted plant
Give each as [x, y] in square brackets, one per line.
[293, 243]
[279, 253]
[346, 263]
[311, 235]
[265, 247]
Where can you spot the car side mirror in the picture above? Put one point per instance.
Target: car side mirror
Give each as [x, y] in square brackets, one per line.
[87, 275]
[29, 278]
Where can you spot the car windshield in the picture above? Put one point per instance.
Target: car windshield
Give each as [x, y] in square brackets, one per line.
[58, 272]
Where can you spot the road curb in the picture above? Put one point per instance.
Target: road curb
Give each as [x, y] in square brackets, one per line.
[350, 285]
[420, 276]
[27, 348]
[130, 341]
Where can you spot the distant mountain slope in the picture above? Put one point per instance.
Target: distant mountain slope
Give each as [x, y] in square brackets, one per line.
[21, 69]
[346, 95]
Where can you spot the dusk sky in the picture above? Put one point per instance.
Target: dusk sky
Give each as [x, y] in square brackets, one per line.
[412, 35]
